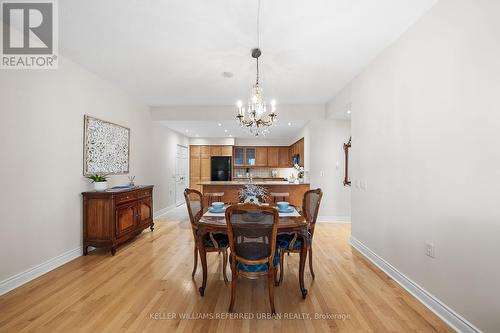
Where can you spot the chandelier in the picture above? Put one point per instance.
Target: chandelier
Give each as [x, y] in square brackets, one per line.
[257, 117]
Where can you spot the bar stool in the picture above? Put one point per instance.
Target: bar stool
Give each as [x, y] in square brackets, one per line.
[214, 197]
[280, 197]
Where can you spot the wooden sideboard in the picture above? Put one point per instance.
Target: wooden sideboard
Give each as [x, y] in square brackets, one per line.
[113, 217]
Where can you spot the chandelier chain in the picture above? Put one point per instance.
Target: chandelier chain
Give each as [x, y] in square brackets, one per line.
[258, 24]
[258, 117]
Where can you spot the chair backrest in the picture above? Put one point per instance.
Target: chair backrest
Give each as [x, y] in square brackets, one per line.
[310, 206]
[252, 231]
[194, 203]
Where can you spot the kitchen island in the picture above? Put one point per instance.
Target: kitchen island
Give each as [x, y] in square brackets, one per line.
[231, 188]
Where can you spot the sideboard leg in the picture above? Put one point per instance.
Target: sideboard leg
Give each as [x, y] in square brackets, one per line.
[113, 250]
[152, 227]
[85, 250]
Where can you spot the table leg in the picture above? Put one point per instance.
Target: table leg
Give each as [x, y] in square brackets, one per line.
[203, 258]
[303, 257]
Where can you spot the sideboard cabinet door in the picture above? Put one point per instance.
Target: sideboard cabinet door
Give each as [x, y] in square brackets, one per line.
[145, 210]
[125, 218]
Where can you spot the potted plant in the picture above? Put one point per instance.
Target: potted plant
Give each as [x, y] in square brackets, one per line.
[100, 182]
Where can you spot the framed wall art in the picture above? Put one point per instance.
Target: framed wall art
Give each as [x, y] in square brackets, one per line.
[106, 148]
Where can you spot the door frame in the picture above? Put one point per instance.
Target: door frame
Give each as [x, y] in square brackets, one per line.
[176, 204]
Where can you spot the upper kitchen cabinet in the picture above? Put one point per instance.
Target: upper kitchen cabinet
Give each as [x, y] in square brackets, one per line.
[227, 150]
[195, 151]
[239, 156]
[215, 151]
[297, 152]
[204, 151]
[250, 156]
[284, 159]
[273, 157]
[261, 156]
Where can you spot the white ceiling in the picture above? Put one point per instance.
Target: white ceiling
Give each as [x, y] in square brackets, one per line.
[173, 52]
[203, 121]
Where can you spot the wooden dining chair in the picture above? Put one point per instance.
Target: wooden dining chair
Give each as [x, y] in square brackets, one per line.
[291, 243]
[215, 242]
[252, 233]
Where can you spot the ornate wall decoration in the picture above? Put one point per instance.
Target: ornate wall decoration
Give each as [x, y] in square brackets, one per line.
[106, 147]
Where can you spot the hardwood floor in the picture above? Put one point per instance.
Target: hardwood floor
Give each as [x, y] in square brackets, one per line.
[149, 280]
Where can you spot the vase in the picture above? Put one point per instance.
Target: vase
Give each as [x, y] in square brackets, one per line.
[100, 186]
[252, 199]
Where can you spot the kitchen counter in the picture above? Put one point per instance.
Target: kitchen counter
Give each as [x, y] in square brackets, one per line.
[255, 182]
[231, 188]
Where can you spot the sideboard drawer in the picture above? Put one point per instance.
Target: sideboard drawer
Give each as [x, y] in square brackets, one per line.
[145, 193]
[126, 197]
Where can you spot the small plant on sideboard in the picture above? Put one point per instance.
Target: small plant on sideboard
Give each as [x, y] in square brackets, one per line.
[100, 182]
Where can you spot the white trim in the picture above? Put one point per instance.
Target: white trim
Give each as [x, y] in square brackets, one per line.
[163, 211]
[457, 322]
[333, 219]
[30, 274]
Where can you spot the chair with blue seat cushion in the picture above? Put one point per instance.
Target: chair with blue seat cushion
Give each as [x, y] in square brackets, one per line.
[256, 268]
[291, 243]
[252, 231]
[214, 242]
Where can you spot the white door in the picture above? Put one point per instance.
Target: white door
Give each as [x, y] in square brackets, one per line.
[181, 176]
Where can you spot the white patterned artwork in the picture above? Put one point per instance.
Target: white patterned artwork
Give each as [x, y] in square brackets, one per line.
[106, 148]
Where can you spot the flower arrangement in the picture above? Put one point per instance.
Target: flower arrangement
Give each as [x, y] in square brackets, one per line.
[300, 171]
[252, 193]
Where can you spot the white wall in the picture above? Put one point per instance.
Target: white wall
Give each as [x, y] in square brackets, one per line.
[324, 165]
[426, 143]
[164, 164]
[41, 139]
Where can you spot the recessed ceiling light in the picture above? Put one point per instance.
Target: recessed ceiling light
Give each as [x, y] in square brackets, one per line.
[348, 111]
[289, 124]
[227, 75]
[187, 131]
[219, 124]
[225, 130]
[230, 135]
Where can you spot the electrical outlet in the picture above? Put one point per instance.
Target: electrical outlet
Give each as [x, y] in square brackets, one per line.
[429, 250]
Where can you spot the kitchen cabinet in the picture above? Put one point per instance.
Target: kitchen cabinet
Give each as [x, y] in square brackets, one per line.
[194, 168]
[239, 156]
[205, 168]
[261, 156]
[285, 160]
[195, 151]
[249, 156]
[205, 151]
[297, 149]
[215, 150]
[227, 151]
[273, 157]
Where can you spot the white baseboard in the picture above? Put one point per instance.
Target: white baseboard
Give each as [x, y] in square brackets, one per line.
[34, 272]
[45, 267]
[163, 211]
[457, 322]
[333, 219]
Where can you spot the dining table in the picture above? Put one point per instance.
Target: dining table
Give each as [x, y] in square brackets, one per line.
[288, 223]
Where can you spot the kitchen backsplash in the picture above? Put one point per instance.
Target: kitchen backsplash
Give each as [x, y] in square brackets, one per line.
[263, 172]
